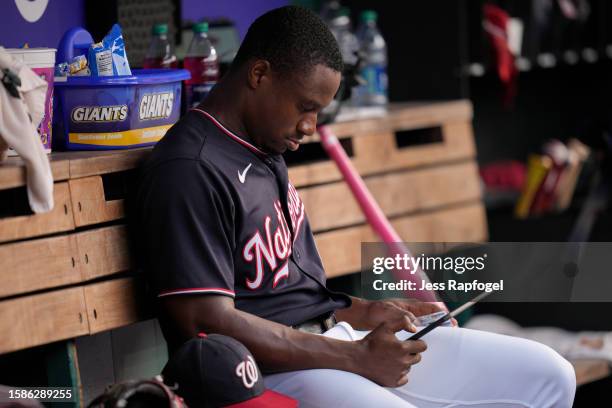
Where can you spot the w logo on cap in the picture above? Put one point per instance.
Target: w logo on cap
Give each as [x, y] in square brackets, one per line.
[247, 371]
[204, 369]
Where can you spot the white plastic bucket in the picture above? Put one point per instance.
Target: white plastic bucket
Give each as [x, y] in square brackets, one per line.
[41, 61]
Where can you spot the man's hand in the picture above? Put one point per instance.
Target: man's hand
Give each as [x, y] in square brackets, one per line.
[368, 314]
[377, 312]
[418, 308]
[385, 359]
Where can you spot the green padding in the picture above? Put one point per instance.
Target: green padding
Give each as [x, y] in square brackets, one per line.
[63, 371]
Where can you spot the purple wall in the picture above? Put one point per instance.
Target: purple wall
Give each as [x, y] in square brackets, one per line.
[47, 31]
[60, 15]
[243, 13]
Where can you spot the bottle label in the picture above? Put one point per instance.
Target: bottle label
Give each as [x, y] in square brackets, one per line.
[375, 76]
[195, 93]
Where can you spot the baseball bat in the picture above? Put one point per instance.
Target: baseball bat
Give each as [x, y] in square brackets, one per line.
[373, 213]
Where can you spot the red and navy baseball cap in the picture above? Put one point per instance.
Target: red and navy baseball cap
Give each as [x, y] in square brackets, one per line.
[218, 371]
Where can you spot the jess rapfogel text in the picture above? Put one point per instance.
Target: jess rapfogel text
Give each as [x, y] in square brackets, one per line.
[450, 285]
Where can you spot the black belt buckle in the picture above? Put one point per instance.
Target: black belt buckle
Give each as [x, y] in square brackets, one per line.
[318, 325]
[329, 322]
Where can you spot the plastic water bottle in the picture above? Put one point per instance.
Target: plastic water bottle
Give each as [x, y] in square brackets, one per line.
[340, 26]
[203, 63]
[329, 10]
[160, 53]
[373, 66]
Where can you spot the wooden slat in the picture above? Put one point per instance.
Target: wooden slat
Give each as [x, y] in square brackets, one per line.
[308, 174]
[13, 171]
[332, 205]
[377, 152]
[114, 304]
[50, 262]
[406, 116]
[66, 165]
[458, 142]
[27, 226]
[40, 319]
[419, 115]
[33, 265]
[84, 164]
[341, 250]
[103, 251]
[90, 205]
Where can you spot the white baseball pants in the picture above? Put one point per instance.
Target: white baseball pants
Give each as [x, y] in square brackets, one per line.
[460, 368]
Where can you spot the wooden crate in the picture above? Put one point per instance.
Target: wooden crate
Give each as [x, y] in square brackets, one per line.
[48, 261]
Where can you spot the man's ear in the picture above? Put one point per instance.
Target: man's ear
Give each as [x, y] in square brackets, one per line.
[258, 71]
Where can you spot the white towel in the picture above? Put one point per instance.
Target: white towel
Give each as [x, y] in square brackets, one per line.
[19, 119]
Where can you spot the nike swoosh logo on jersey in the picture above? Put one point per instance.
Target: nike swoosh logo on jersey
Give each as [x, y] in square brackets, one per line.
[242, 176]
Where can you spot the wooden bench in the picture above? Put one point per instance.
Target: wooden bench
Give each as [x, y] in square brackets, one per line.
[68, 273]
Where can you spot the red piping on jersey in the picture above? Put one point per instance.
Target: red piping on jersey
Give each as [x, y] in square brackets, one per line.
[198, 290]
[230, 134]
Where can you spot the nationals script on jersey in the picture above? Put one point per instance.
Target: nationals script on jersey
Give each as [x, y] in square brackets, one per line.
[274, 247]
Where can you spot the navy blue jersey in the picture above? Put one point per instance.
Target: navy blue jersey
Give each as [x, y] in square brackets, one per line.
[219, 216]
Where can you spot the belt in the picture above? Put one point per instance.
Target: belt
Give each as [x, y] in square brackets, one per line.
[317, 325]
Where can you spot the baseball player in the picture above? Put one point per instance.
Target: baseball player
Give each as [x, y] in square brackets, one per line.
[228, 249]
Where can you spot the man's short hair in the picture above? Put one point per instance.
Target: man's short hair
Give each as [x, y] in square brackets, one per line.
[292, 39]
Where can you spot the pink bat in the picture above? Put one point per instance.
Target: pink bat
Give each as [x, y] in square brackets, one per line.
[376, 218]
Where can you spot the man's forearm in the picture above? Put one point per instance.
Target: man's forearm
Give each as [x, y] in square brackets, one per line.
[276, 347]
[281, 348]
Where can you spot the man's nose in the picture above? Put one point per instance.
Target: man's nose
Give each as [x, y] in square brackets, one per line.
[308, 126]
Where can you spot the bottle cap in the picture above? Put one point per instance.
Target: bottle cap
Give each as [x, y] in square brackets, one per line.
[369, 15]
[200, 27]
[344, 11]
[342, 18]
[160, 29]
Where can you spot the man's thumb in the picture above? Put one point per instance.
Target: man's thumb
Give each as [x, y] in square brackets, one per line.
[403, 323]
